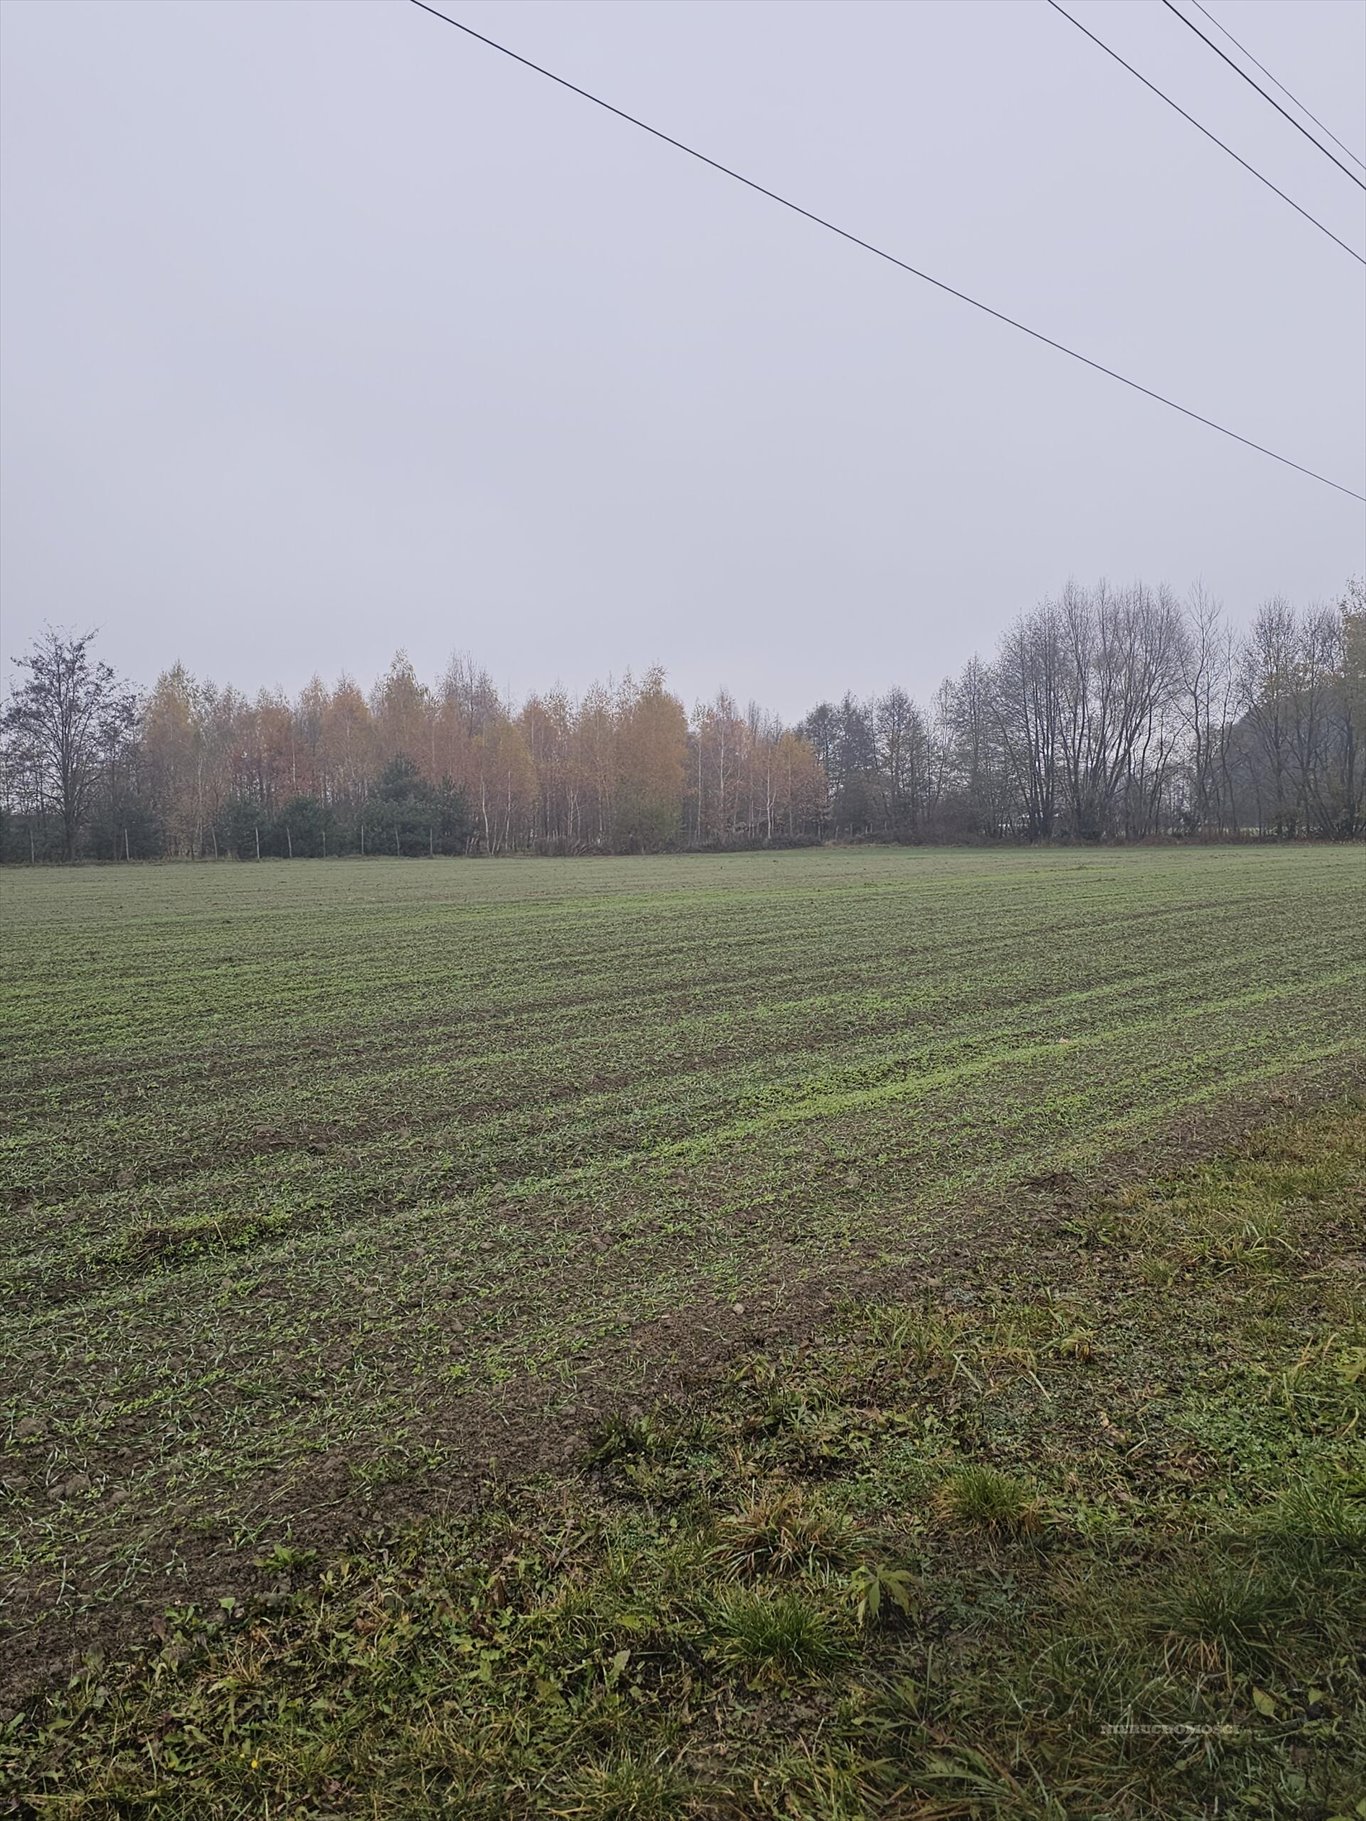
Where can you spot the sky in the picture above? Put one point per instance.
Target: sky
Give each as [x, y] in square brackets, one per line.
[326, 331]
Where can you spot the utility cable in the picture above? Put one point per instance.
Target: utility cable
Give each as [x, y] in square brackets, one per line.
[1316, 143]
[1162, 95]
[845, 234]
[1280, 85]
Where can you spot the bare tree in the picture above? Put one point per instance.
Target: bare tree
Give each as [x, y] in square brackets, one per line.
[1352, 707]
[1208, 709]
[901, 736]
[1267, 675]
[1025, 699]
[62, 721]
[1314, 729]
[1122, 660]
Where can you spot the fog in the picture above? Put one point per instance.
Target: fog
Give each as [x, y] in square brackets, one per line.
[328, 330]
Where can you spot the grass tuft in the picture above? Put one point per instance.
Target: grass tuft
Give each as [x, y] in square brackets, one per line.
[627, 1787]
[785, 1633]
[981, 1494]
[781, 1530]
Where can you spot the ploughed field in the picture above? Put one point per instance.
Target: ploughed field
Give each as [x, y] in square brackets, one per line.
[329, 1187]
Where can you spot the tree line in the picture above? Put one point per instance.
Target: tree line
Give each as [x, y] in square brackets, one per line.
[1106, 713]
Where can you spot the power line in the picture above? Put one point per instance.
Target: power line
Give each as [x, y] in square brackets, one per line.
[1162, 95]
[1317, 144]
[1280, 85]
[881, 253]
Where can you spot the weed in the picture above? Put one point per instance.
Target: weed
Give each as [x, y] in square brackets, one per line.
[876, 1590]
[624, 1437]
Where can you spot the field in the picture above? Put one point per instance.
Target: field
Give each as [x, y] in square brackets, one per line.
[333, 1188]
[1081, 1538]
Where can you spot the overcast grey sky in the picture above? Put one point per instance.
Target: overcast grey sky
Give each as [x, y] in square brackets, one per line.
[327, 330]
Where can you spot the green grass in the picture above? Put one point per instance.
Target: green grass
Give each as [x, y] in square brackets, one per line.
[1091, 1544]
[329, 1188]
